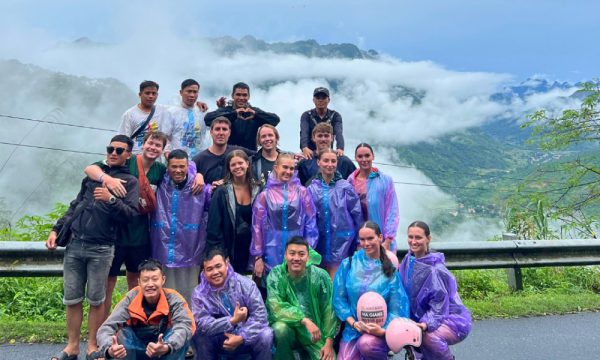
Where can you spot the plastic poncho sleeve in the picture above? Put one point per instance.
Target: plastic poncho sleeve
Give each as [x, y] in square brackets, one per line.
[390, 225]
[434, 293]
[259, 217]
[311, 230]
[206, 324]
[329, 322]
[257, 319]
[398, 304]
[354, 208]
[278, 290]
[341, 301]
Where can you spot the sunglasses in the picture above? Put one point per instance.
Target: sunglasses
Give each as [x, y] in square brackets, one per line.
[118, 150]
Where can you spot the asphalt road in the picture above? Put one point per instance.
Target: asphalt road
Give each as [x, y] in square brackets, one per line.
[574, 336]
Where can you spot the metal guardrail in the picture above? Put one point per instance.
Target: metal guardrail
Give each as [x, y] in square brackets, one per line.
[20, 258]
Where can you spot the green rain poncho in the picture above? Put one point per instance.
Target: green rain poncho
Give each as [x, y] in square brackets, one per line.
[291, 300]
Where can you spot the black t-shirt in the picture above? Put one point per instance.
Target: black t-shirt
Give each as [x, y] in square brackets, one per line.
[212, 166]
[307, 169]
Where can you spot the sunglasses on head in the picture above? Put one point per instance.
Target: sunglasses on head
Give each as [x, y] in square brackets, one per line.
[118, 150]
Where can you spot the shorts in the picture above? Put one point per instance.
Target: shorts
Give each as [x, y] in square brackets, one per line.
[132, 256]
[86, 263]
[184, 280]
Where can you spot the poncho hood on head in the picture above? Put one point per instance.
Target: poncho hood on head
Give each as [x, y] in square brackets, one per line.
[205, 286]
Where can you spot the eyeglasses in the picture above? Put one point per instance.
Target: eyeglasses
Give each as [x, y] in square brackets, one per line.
[118, 150]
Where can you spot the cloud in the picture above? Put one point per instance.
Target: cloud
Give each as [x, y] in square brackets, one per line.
[387, 102]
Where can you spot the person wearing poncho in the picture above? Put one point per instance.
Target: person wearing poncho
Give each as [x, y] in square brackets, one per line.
[434, 301]
[230, 315]
[178, 226]
[338, 212]
[369, 269]
[299, 304]
[282, 210]
[377, 195]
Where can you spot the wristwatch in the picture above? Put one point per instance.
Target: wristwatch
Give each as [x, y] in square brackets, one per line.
[112, 199]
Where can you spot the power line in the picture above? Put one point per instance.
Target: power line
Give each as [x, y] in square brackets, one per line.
[56, 123]
[450, 171]
[51, 148]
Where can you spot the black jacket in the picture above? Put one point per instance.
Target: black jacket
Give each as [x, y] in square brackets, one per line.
[99, 221]
[307, 169]
[310, 119]
[220, 230]
[243, 132]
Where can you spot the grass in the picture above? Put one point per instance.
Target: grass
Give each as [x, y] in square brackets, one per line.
[533, 304]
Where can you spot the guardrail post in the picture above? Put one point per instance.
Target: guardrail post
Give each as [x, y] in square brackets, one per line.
[515, 277]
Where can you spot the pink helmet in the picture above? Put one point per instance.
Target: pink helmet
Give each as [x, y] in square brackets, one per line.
[402, 332]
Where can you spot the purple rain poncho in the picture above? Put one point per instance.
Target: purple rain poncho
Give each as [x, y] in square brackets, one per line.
[282, 210]
[381, 203]
[361, 275]
[338, 217]
[434, 300]
[212, 307]
[178, 226]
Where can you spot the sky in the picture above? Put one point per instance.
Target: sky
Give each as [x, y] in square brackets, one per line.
[553, 38]
[457, 55]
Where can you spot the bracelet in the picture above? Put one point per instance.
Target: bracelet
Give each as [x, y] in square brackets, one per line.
[100, 177]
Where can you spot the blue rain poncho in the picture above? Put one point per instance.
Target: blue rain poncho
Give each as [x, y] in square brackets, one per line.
[338, 217]
[381, 203]
[282, 210]
[356, 277]
[178, 225]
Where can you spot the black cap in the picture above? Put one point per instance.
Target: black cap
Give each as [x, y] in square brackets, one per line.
[321, 90]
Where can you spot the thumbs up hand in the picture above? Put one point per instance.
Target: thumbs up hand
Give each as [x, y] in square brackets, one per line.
[240, 314]
[159, 348]
[115, 350]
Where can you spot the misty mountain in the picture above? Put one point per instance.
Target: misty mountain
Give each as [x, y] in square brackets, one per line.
[475, 165]
[311, 48]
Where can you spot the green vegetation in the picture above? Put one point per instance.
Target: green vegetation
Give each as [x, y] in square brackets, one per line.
[32, 227]
[570, 188]
[31, 309]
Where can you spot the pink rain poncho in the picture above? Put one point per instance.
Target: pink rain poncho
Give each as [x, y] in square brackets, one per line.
[434, 300]
[338, 217]
[282, 210]
[381, 203]
[178, 226]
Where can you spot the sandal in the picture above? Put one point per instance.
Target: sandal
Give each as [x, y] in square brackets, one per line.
[64, 356]
[94, 355]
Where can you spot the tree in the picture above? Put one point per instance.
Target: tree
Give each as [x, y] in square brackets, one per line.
[567, 182]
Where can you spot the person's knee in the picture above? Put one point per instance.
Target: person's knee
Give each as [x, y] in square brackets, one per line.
[281, 330]
[434, 345]
[368, 344]
[264, 338]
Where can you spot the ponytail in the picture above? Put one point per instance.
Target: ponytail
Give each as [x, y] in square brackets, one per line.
[386, 263]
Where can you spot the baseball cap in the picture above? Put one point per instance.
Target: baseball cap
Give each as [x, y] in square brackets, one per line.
[321, 90]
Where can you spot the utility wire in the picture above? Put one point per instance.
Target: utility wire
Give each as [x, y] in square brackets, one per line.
[378, 163]
[56, 123]
[51, 148]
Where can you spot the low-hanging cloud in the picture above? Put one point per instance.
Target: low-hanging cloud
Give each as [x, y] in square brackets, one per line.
[387, 102]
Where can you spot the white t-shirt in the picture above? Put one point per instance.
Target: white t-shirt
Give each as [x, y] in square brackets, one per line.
[189, 131]
[134, 117]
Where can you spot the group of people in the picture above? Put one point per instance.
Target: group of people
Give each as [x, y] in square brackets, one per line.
[270, 249]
